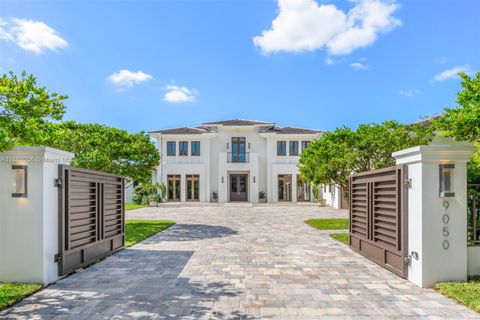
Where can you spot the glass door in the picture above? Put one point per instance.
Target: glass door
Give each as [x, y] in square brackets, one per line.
[284, 187]
[174, 187]
[238, 187]
[193, 187]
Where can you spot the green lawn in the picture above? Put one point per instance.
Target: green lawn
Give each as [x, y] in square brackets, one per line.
[131, 206]
[328, 224]
[138, 230]
[467, 293]
[11, 293]
[342, 237]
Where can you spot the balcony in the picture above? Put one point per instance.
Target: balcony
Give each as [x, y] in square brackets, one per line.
[234, 157]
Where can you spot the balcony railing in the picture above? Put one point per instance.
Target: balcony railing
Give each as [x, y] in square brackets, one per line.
[233, 157]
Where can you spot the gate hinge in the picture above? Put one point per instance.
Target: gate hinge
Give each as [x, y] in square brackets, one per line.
[57, 182]
[407, 182]
[58, 258]
[407, 260]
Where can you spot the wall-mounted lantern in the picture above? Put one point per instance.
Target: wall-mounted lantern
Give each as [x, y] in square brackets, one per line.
[222, 179]
[446, 180]
[19, 181]
[253, 179]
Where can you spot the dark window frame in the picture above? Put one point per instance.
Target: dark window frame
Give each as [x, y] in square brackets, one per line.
[293, 148]
[305, 145]
[281, 148]
[195, 151]
[171, 151]
[183, 148]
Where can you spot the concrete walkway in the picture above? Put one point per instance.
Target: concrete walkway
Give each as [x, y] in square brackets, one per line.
[237, 263]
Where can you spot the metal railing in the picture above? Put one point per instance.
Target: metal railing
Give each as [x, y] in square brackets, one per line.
[473, 201]
[234, 157]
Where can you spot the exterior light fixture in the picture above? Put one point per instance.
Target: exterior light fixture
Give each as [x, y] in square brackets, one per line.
[19, 181]
[222, 179]
[446, 180]
[253, 179]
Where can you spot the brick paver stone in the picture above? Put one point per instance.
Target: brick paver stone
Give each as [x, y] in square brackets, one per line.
[234, 262]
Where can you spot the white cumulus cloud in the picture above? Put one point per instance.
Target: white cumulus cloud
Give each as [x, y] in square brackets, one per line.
[358, 66]
[125, 79]
[30, 35]
[304, 25]
[409, 93]
[178, 94]
[452, 73]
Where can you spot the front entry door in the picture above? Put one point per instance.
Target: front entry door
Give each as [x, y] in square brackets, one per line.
[238, 187]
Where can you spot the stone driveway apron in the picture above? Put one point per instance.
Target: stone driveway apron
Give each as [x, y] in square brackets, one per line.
[237, 262]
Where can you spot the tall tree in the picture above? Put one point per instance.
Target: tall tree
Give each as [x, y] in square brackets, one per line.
[463, 122]
[103, 148]
[25, 108]
[339, 153]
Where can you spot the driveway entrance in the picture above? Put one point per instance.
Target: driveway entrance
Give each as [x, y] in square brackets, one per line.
[232, 262]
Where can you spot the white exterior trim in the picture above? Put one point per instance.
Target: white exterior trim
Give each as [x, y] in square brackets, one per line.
[213, 166]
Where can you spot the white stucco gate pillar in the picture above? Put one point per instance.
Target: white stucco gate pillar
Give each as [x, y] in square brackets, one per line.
[437, 210]
[29, 218]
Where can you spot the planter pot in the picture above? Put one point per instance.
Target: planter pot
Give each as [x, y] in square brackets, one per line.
[153, 204]
[264, 200]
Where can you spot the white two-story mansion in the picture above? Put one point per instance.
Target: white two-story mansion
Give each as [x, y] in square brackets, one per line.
[233, 161]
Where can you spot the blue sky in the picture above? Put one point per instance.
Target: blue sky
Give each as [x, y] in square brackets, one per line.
[321, 65]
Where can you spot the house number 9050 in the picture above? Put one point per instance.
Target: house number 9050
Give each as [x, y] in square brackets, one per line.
[445, 220]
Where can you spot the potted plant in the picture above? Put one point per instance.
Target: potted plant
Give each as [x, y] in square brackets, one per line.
[214, 197]
[262, 197]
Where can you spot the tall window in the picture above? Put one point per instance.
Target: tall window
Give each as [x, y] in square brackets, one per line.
[293, 146]
[238, 149]
[281, 148]
[171, 148]
[195, 148]
[183, 148]
[305, 145]
[173, 187]
[193, 187]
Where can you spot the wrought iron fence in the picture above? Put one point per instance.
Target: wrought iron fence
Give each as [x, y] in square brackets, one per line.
[473, 226]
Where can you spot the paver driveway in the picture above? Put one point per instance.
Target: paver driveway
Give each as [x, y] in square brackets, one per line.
[237, 263]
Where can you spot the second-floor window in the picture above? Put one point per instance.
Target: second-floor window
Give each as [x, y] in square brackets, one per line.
[238, 149]
[171, 148]
[183, 148]
[305, 145]
[293, 146]
[281, 148]
[195, 148]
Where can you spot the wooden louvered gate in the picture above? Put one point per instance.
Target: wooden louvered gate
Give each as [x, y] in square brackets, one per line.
[378, 217]
[91, 217]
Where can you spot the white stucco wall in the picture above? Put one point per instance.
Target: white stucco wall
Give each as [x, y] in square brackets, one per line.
[213, 165]
[331, 195]
[473, 260]
[29, 226]
[426, 209]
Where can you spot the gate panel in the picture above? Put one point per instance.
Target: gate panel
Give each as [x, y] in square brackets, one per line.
[378, 217]
[91, 216]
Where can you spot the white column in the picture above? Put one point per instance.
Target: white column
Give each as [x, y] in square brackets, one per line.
[437, 239]
[29, 225]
